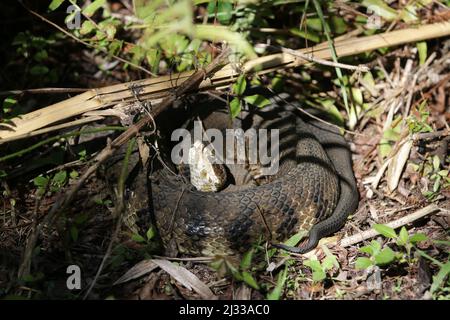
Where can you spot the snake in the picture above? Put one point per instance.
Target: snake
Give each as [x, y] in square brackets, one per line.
[313, 191]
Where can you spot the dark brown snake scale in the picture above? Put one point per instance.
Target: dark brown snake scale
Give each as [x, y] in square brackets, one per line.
[315, 194]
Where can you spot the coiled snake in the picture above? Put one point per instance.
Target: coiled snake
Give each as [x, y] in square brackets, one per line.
[314, 189]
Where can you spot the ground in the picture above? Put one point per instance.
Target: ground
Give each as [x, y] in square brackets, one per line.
[402, 117]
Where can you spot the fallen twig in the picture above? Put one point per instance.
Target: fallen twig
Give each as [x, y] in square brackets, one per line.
[346, 242]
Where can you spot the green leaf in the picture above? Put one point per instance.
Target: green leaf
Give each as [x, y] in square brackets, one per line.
[248, 279]
[403, 237]
[235, 107]
[240, 85]
[81, 218]
[295, 239]
[308, 35]
[110, 30]
[41, 181]
[87, 27]
[319, 275]
[257, 100]
[275, 294]
[440, 277]
[60, 178]
[247, 260]
[436, 163]
[94, 6]
[39, 70]
[386, 231]
[314, 265]
[74, 233]
[224, 12]
[8, 103]
[367, 249]
[386, 256]
[330, 260]
[363, 263]
[74, 174]
[138, 238]
[422, 48]
[317, 269]
[418, 237]
[409, 14]
[55, 4]
[379, 7]
[150, 233]
[357, 96]
[41, 55]
[376, 246]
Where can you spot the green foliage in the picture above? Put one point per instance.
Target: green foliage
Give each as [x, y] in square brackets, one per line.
[440, 287]
[276, 293]
[420, 124]
[321, 269]
[379, 256]
[242, 273]
[149, 236]
[170, 34]
[34, 52]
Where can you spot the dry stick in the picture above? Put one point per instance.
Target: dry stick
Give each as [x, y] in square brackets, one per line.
[311, 58]
[349, 241]
[42, 91]
[430, 135]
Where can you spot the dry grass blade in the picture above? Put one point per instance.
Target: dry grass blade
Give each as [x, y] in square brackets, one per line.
[186, 278]
[138, 270]
[397, 164]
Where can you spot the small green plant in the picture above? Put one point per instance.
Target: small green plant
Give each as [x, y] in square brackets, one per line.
[440, 287]
[319, 269]
[244, 272]
[149, 236]
[77, 224]
[420, 124]
[238, 90]
[380, 256]
[276, 293]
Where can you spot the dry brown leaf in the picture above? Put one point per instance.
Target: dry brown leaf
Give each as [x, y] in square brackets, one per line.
[138, 270]
[186, 278]
[397, 164]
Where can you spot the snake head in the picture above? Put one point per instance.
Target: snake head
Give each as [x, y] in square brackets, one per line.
[206, 174]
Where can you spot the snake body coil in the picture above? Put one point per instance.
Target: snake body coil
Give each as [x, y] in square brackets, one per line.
[314, 191]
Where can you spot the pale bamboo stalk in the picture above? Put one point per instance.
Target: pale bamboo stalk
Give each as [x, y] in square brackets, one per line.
[156, 88]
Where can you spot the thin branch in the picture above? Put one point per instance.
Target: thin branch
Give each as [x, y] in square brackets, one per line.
[42, 91]
[311, 58]
[349, 241]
